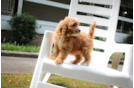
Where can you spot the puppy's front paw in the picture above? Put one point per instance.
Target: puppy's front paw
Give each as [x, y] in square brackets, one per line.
[84, 64]
[51, 57]
[72, 62]
[58, 61]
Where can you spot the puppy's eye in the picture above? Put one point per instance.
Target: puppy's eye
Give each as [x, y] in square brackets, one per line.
[73, 25]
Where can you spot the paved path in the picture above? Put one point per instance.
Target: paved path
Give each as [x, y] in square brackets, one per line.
[17, 65]
[22, 65]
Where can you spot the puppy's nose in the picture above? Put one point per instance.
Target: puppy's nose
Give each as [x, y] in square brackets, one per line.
[79, 30]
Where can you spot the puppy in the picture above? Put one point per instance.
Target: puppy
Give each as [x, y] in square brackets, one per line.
[69, 40]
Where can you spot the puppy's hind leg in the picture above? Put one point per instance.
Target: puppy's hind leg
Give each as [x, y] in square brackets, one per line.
[87, 59]
[78, 58]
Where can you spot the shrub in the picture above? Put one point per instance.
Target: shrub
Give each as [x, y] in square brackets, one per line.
[101, 39]
[122, 57]
[22, 28]
[129, 39]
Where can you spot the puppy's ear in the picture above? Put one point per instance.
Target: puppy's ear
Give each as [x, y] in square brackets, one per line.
[58, 28]
[64, 32]
[66, 17]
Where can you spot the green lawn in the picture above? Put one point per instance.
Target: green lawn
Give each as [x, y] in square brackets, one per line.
[23, 81]
[15, 47]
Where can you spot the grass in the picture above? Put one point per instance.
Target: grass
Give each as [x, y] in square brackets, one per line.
[30, 48]
[122, 57]
[74, 83]
[15, 47]
[15, 81]
[23, 81]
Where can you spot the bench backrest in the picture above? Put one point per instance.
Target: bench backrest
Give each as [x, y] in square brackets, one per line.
[105, 13]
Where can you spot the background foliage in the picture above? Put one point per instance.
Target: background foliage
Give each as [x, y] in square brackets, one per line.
[129, 39]
[22, 28]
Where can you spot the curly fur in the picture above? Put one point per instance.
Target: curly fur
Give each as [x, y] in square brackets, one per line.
[68, 40]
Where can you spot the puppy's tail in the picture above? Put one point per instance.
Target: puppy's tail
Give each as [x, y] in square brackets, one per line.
[91, 30]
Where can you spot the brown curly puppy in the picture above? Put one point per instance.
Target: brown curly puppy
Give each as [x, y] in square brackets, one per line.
[69, 40]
